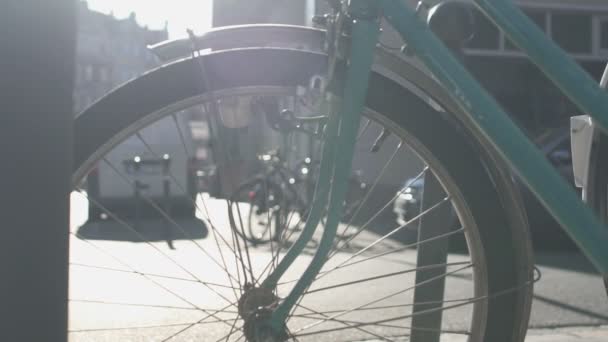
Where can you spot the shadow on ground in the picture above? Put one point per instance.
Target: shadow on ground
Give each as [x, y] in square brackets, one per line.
[571, 260]
[144, 230]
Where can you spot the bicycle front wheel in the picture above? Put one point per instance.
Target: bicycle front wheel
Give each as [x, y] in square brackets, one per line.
[381, 284]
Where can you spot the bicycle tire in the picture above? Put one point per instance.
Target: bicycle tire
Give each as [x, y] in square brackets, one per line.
[250, 233]
[462, 168]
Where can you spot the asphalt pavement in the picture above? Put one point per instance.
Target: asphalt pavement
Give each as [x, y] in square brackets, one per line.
[570, 303]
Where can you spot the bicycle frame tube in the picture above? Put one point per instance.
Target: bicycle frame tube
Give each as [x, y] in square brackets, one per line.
[487, 116]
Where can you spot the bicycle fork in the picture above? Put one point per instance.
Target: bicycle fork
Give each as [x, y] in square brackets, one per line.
[338, 151]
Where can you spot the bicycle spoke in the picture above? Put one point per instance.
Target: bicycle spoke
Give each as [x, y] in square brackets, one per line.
[253, 280]
[285, 236]
[274, 260]
[269, 224]
[341, 321]
[346, 263]
[88, 301]
[382, 307]
[282, 240]
[235, 256]
[214, 229]
[462, 302]
[240, 266]
[235, 241]
[384, 324]
[194, 306]
[424, 312]
[364, 226]
[231, 330]
[332, 318]
[387, 275]
[147, 277]
[168, 218]
[235, 236]
[385, 297]
[151, 275]
[379, 313]
[182, 187]
[399, 228]
[77, 331]
[183, 142]
[371, 189]
[199, 322]
[132, 230]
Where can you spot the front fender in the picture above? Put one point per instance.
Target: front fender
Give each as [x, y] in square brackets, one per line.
[242, 36]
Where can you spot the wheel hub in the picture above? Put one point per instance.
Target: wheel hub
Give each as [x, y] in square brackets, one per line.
[256, 307]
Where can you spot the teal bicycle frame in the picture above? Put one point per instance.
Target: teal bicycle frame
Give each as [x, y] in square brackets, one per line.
[486, 115]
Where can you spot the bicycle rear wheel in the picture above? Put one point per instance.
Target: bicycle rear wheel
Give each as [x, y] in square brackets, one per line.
[367, 287]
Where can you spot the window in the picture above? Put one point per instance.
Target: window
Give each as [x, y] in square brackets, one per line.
[76, 104]
[103, 74]
[604, 34]
[88, 73]
[78, 77]
[486, 34]
[572, 31]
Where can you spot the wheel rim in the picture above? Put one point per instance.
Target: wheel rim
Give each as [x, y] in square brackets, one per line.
[224, 291]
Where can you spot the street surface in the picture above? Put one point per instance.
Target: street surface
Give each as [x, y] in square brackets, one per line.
[110, 302]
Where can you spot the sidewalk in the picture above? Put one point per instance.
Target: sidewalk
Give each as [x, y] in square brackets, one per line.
[574, 334]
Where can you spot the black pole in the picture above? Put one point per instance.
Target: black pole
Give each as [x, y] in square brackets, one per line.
[427, 326]
[37, 52]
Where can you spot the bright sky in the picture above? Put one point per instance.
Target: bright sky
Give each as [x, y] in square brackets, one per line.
[180, 14]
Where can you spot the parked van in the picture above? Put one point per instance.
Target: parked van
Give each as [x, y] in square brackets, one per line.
[141, 176]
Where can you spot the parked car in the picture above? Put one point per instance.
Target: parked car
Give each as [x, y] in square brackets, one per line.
[407, 204]
[131, 177]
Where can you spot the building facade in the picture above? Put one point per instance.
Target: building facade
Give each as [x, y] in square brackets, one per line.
[240, 12]
[580, 27]
[109, 52]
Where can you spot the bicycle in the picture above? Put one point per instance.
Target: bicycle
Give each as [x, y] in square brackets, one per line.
[271, 197]
[465, 154]
[278, 199]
